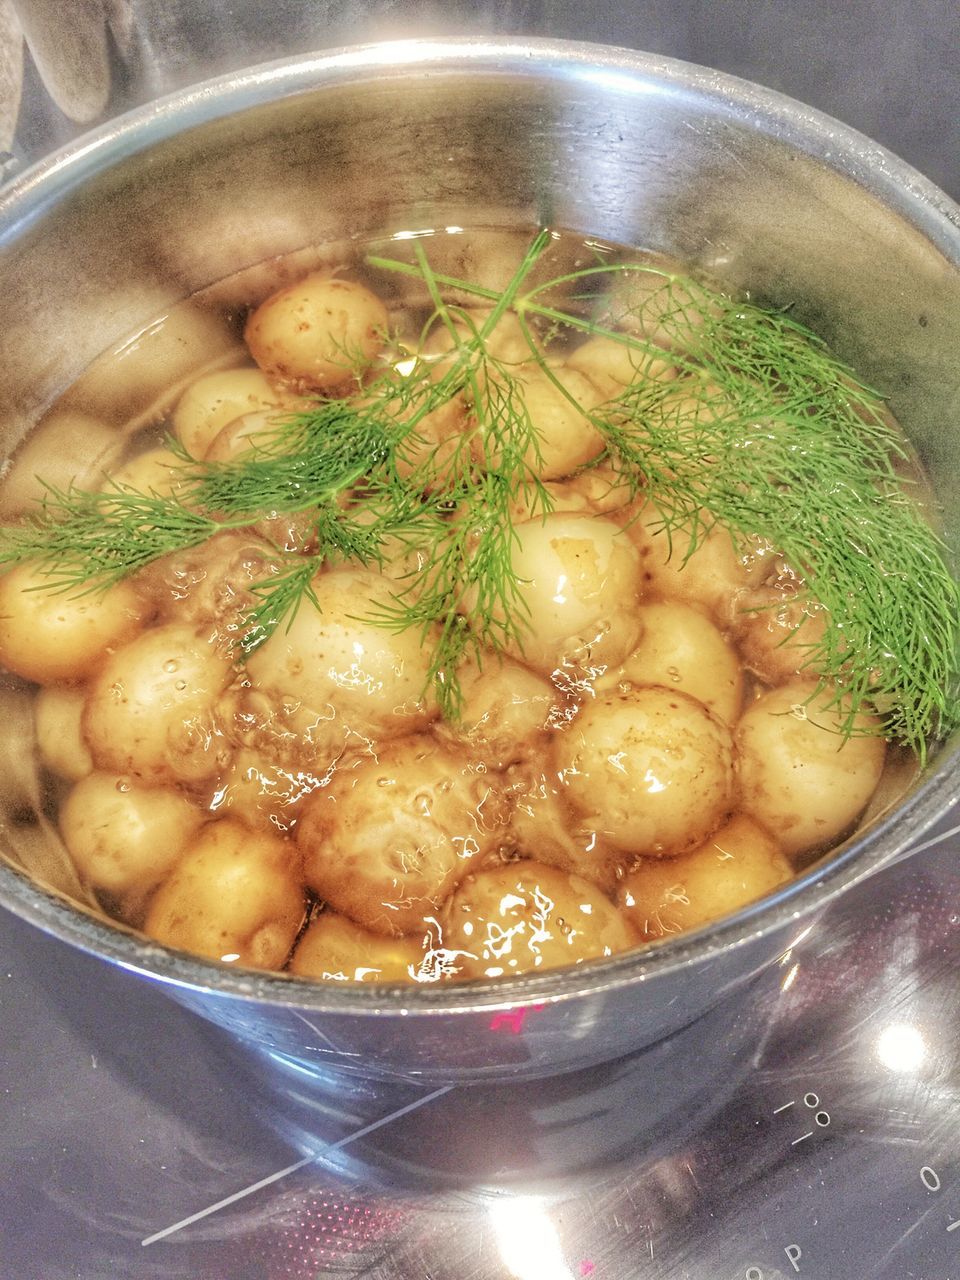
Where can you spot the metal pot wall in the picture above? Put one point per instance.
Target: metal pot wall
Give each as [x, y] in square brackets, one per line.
[777, 199]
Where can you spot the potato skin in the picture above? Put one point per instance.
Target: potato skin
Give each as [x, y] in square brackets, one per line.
[651, 767]
[710, 577]
[523, 917]
[151, 709]
[52, 637]
[215, 400]
[331, 676]
[680, 648]
[317, 334]
[334, 949]
[58, 715]
[738, 864]
[235, 895]
[391, 834]
[124, 837]
[579, 581]
[799, 776]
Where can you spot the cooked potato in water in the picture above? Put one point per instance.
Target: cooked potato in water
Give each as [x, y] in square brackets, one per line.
[464, 655]
[651, 769]
[51, 636]
[392, 833]
[737, 865]
[235, 896]
[524, 917]
[800, 775]
[317, 334]
[335, 949]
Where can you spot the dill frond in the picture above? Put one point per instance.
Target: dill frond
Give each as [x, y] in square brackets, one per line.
[785, 445]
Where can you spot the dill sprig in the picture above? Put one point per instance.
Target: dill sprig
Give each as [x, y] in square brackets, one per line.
[784, 444]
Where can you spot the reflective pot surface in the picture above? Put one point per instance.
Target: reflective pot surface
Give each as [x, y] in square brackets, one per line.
[737, 181]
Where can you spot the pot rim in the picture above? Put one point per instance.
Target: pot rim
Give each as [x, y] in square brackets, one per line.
[804, 129]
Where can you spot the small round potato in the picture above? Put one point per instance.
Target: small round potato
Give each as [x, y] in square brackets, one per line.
[579, 584]
[330, 674]
[317, 334]
[652, 768]
[506, 711]
[51, 636]
[236, 895]
[680, 648]
[566, 438]
[150, 711]
[611, 365]
[523, 916]
[241, 435]
[158, 471]
[210, 586]
[390, 835]
[737, 865]
[545, 826]
[262, 793]
[216, 399]
[334, 949]
[507, 342]
[711, 576]
[63, 748]
[799, 775]
[125, 837]
[778, 628]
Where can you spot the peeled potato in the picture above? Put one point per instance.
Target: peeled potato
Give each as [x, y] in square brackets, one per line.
[50, 635]
[318, 333]
[234, 896]
[63, 749]
[799, 776]
[335, 949]
[737, 865]
[122, 836]
[151, 708]
[390, 835]
[651, 768]
[522, 917]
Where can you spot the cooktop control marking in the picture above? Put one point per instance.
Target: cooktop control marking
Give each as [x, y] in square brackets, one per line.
[931, 1180]
[794, 1254]
[821, 1118]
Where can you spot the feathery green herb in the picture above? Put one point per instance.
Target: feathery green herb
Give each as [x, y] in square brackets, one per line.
[783, 444]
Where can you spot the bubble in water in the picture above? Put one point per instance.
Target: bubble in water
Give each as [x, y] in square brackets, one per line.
[171, 666]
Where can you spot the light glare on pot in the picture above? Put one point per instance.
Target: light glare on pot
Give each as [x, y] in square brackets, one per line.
[901, 1047]
[527, 1240]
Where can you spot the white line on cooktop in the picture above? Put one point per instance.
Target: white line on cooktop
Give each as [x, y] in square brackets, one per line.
[292, 1168]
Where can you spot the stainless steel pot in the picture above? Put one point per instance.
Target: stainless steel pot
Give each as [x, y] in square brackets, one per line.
[779, 200]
